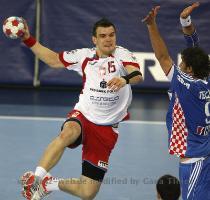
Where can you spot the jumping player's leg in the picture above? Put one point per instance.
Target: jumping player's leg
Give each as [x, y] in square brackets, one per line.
[98, 142]
[85, 187]
[71, 131]
[95, 160]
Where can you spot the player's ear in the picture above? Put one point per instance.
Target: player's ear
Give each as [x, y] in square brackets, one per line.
[94, 40]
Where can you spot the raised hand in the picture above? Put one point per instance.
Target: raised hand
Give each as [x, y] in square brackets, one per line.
[150, 18]
[187, 11]
[26, 34]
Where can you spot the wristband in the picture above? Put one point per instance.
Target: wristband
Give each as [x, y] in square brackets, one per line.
[126, 78]
[131, 75]
[30, 42]
[185, 22]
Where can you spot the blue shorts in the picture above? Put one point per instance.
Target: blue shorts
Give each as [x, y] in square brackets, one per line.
[195, 180]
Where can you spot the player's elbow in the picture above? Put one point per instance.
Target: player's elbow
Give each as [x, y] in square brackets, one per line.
[55, 65]
[140, 78]
[54, 62]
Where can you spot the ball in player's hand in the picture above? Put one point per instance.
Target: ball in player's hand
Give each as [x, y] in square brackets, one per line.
[13, 27]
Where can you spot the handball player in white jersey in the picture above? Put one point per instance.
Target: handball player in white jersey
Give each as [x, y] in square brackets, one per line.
[107, 72]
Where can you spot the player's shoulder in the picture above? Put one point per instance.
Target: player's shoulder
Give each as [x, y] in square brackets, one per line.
[183, 75]
[120, 49]
[83, 52]
[122, 52]
[188, 81]
[192, 79]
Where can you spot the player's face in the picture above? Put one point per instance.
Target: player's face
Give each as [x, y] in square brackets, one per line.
[105, 40]
[182, 66]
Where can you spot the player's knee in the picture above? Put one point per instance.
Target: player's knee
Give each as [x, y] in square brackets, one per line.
[89, 192]
[69, 134]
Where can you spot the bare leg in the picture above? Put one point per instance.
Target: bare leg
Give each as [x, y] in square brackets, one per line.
[85, 188]
[55, 149]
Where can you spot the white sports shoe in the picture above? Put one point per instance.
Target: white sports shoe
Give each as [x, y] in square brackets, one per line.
[41, 191]
[33, 187]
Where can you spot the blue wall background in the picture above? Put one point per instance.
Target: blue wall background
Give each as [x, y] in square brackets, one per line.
[67, 25]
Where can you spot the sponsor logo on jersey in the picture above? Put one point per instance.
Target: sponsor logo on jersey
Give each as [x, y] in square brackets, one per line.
[103, 164]
[75, 114]
[181, 80]
[97, 90]
[95, 98]
[203, 130]
[93, 62]
[102, 91]
[72, 51]
[103, 84]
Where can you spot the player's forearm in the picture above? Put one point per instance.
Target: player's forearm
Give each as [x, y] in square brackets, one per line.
[46, 55]
[190, 33]
[136, 80]
[157, 42]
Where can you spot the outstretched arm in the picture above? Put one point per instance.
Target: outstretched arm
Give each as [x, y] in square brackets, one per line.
[158, 45]
[48, 56]
[188, 28]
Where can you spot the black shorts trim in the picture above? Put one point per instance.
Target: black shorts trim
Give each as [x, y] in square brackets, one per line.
[92, 171]
[80, 138]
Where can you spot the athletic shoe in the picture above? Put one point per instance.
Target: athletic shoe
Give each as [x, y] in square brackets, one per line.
[42, 192]
[32, 183]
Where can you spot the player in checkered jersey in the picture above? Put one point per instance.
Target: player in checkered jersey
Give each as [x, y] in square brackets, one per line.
[188, 117]
[107, 71]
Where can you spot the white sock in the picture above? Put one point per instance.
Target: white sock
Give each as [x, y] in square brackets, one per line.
[52, 185]
[40, 171]
[48, 174]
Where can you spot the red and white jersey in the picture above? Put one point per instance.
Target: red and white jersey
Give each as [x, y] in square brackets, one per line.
[97, 103]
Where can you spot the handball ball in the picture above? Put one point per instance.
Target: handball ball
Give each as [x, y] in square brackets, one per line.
[13, 27]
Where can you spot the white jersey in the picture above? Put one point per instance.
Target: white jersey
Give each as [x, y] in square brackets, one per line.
[97, 103]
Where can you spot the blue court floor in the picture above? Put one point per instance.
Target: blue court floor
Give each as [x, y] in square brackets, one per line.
[30, 119]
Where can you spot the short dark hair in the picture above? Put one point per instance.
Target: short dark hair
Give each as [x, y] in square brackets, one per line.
[196, 58]
[168, 187]
[102, 23]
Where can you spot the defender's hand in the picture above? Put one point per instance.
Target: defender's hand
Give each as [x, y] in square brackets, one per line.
[187, 11]
[150, 18]
[116, 83]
